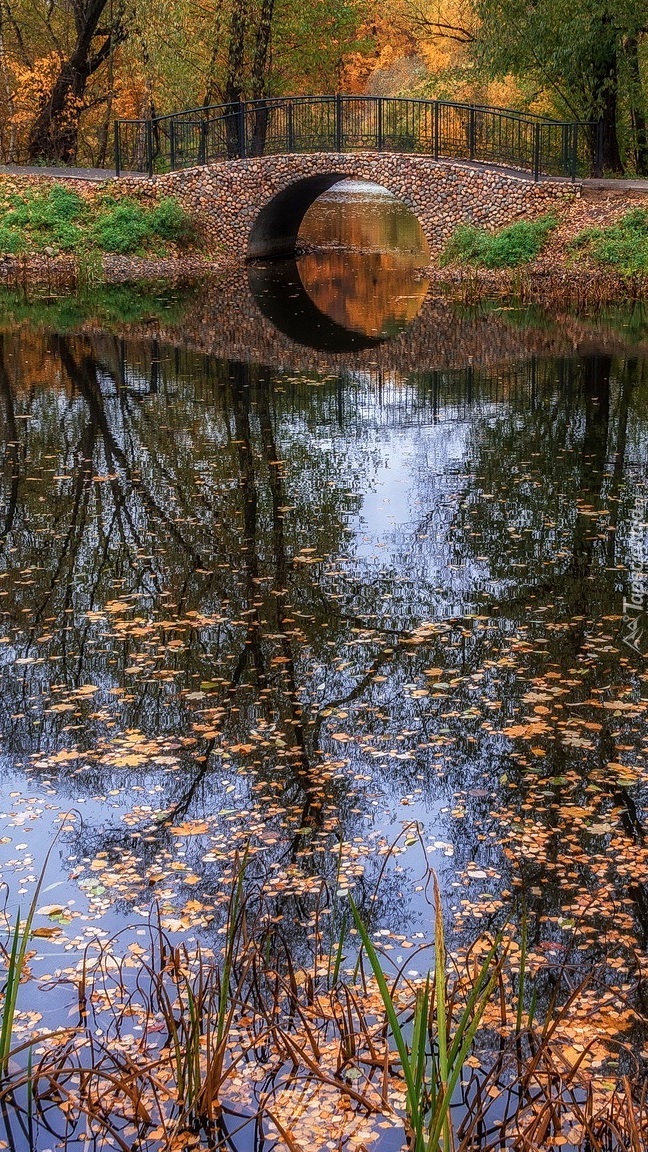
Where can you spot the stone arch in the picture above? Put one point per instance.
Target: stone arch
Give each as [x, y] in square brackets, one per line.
[275, 230]
[276, 227]
[246, 209]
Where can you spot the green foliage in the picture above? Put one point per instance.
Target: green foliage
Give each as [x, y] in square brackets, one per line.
[169, 221]
[309, 42]
[125, 226]
[60, 219]
[517, 244]
[38, 220]
[11, 241]
[568, 46]
[584, 54]
[623, 246]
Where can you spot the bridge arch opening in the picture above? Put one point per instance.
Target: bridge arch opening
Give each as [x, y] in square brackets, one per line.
[277, 228]
[351, 272]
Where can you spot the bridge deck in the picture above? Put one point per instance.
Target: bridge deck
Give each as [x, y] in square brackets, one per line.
[99, 174]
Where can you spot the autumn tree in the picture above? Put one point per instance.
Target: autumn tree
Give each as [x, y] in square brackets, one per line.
[97, 28]
[584, 53]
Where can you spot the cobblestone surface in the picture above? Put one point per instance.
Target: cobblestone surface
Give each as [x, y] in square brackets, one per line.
[226, 198]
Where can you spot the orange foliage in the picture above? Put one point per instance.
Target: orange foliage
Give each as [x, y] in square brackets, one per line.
[31, 87]
[388, 43]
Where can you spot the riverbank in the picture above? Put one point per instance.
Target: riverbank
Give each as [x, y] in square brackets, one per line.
[565, 272]
[560, 274]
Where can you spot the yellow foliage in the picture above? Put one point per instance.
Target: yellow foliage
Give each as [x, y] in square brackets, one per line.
[388, 42]
[32, 85]
[421, 47]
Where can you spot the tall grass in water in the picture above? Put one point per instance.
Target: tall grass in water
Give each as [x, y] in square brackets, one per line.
[433, 1058]
[16, 952]
[15, 964]
[209, 1027]
[200, 1003]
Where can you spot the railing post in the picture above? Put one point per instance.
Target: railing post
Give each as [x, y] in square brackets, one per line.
[117, 148]
[574, 154]
[437, 120]
[380, 135]
[172, 143]
[291, 127]
[599, 148]
[537, 128]
[240, 128]
[566, 148]
[202, 159]
[338, 122]
[149, 146]
[471, 133]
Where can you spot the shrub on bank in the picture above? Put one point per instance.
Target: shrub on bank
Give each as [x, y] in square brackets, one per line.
[623, 245]
[516, 244]
[36, 220]
[59, 219]
[125, 226]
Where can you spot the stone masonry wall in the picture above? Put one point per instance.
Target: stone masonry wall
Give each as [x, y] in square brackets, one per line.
[225, 199]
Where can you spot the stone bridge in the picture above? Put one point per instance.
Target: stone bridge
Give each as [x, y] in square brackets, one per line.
[253, 208]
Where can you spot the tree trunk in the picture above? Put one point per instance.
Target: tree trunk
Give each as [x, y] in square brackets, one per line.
[637, 108]
[213, 90]
[234, 81]
[262, 50]
[259, 75]
[54, 133]
[605, 96]
[611, 156]
[235, 53]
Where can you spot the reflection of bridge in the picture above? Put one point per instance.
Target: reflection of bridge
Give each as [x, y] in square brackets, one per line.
[439, 129]
[227, 321]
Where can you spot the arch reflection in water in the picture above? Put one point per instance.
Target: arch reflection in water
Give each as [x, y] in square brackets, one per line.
[358, 278]
[280, 294]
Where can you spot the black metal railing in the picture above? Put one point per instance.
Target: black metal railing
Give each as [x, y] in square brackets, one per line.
[437, 128]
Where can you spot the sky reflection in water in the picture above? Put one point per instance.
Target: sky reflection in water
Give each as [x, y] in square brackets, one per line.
[313, 604]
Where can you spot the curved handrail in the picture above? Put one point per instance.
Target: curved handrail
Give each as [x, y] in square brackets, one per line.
[338, 123]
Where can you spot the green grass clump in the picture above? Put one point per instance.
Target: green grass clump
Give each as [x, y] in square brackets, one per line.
[170, 221]
[125, 226]
[61, 220]
[38, 220]
[122, 228]
[623, 245]
[516, 244]
[11, 242]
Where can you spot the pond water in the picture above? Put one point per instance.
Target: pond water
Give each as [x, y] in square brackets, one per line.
[319, 599]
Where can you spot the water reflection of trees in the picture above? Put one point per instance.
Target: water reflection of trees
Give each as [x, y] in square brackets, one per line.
[212, 488]
[551, 534]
